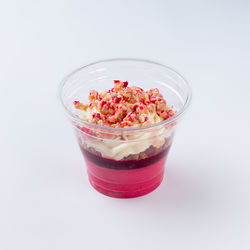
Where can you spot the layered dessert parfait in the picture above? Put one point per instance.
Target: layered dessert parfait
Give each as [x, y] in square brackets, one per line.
[123, 143]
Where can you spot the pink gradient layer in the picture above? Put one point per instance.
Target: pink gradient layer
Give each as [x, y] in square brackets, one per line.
[126, 183]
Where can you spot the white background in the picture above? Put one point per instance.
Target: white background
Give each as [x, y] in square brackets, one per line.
[46, 201]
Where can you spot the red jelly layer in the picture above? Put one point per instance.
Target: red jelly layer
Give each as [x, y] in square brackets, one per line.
[125, 179]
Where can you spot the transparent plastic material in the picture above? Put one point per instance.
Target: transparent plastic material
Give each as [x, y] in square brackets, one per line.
[124, 162]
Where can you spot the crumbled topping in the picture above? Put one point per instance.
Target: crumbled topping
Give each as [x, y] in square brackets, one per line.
[124, 106]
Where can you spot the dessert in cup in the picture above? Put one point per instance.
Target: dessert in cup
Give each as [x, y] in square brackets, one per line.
[124, 113]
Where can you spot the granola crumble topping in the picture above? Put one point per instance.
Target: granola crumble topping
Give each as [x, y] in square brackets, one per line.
[124, 106]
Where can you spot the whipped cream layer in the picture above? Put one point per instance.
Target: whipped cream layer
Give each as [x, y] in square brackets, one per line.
[118, 149]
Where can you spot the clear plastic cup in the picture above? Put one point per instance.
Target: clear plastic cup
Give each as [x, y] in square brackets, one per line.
[125, 162]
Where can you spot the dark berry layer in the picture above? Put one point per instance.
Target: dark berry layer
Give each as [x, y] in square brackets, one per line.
[123, 164]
